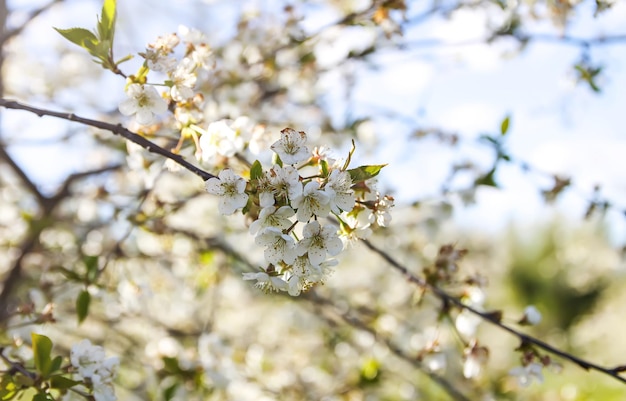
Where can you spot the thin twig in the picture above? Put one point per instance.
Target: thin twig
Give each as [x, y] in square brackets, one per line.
[492, 318]
[117, 129]
[16, 31]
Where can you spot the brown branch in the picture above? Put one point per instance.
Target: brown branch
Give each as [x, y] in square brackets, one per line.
[16, 31]
[30, 185]
[491, 318]
[117, 129]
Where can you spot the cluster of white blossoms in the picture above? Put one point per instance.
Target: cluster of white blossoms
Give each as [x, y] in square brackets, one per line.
[144, 102]
[97, 371]
[280, 198]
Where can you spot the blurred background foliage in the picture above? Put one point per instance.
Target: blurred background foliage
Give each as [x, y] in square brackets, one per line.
[163, 269]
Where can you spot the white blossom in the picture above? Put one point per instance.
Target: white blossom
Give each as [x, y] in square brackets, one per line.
[526, 374]
[340, 192]
[183, 80]
[467, 323]
[231, 190]
[144, 102]
[219, 139]
[270, 217]
[86, 357]
[312, 201]
[157, 61]
[280, 247]
[297, 277]
[317, 241]
[381, 214]
[192, 35]
[285, 182]
[266, 282]
[291, 147]
[532, 316]
[475, 358]
[91, 364]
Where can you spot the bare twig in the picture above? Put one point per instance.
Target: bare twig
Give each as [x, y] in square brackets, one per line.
[16, 31]
[492, 318]
[115, 129]
[30, 185]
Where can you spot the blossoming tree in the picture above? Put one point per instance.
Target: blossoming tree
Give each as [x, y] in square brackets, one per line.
[212, 244]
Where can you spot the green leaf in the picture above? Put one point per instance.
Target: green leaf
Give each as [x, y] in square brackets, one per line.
[56, 363]
[91, 263]
[324, 165]
[79, 36]
[487, 179]
[363, 173]
[170, 392]
[106, 23]
[41, 397]
[124, 59]
[504, 127]
[82, 305]
[276, 160]
[8, 388]
[42, 346]
[256, 170]
[62, 382]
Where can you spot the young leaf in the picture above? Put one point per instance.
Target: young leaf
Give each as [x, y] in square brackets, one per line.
[487, 179]
[504, 127]
[324, 165]
[79, 36]
[349, 159]
[62, 382]
[363, 173]
[256, 170]
[106, 23]
[82, 305]
[41, 397]
[91, 263]
[42, 346]
[56, 363]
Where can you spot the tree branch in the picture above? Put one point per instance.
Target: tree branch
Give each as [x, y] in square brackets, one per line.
[117, 129]
[32, 188]
[16, 31]
[491, 318]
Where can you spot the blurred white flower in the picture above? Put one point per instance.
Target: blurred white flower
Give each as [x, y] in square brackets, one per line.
[381, 214]
[526, 374]
[219, 139]
[91, 364]
[532, 316]
[435, 362]
[144, 102]
[475, 359]
[86, 357]
[183, 80]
